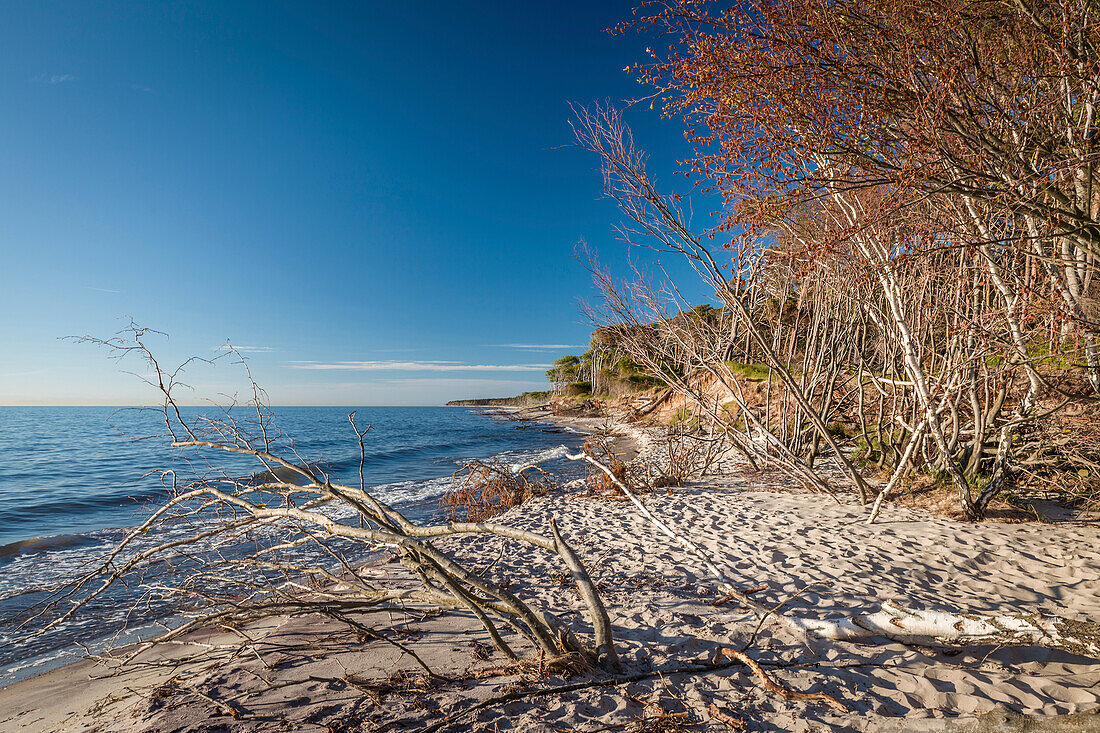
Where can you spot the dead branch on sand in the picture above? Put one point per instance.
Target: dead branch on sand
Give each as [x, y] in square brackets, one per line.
[481, 490]
[232, 549]
[772, 686]
[892, 619]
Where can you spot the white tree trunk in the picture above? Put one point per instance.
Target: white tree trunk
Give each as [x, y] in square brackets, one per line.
[892, 620]
[946, 628]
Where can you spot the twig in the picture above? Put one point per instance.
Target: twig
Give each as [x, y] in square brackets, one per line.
[772, 686]
[561, 689]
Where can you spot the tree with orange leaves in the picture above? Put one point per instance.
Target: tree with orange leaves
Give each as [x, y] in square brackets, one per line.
[933, 160]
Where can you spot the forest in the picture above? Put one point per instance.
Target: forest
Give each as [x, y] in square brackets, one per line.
[906, 248]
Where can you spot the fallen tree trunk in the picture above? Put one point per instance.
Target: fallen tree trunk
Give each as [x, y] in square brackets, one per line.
[953, 628]
[892, 619]
[246, 545]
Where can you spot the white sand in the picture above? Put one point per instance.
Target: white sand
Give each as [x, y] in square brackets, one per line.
[661, 604]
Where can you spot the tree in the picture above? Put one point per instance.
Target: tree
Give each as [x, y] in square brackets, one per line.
[927, 168]
[234, 542]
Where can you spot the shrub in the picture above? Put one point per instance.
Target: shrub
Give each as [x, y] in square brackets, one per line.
[749, 371]
[483, 490]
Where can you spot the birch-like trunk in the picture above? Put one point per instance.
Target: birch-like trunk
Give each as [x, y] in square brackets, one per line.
[893, 620]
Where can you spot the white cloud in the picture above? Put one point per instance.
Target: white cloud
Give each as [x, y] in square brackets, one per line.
[415, 366]
[249, 349]
[424, 390]
[537, 347]
[54, 78]
[452, 382]
[102, 290]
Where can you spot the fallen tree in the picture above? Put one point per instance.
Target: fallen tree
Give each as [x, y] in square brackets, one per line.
[231, 547]
[892, 619]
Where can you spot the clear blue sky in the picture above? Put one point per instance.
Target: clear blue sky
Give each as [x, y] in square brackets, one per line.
[372, 198]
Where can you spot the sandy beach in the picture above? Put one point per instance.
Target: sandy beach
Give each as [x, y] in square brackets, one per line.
[804, 551]
[648, 366]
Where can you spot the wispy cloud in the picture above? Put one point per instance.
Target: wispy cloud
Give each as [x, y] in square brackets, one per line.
[249, 349]
[54, 78]
[458, 382]
[102, 290]
[414, 366]
[537, 347]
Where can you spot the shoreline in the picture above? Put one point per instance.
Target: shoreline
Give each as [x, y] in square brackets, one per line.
[804, 548]
[28, 657]
[626, 440]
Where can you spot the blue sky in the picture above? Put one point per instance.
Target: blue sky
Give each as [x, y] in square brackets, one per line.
[376, 201]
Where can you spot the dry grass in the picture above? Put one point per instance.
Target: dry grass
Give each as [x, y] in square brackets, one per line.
[397, 682]
[534, 670]
[924, 492]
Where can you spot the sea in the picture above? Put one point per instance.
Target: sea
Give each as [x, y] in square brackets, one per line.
[74, 479]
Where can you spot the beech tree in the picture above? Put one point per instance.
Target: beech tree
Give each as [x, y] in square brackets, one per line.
[925, 167]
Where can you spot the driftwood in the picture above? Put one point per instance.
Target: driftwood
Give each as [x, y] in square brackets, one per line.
[894, 620]
[239, 554]
[782, 690]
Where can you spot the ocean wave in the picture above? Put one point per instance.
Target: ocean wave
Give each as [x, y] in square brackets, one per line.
[538, 458]
[402, 492]
[45, 544]
[82, 506]
[413, 450]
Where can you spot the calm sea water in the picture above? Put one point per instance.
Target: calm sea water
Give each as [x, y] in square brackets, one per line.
[72, 479]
